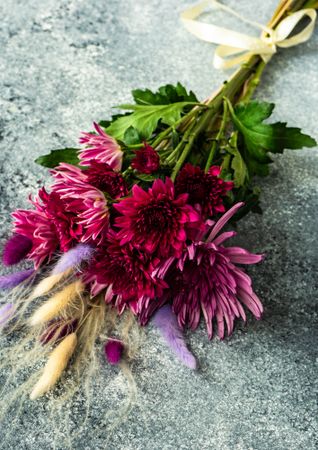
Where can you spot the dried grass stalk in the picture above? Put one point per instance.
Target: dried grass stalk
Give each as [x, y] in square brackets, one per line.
[48, 283]
[55, 366]
[56, 304]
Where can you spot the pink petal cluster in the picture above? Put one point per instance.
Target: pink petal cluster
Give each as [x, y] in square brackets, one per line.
[85, 201]
[206, 281]
[37, 227]
[206, 190]
[130, 274]
[100, 147]
[104, 178]
[157, 221]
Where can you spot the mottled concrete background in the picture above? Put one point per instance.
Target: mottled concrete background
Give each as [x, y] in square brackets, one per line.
[63, 64]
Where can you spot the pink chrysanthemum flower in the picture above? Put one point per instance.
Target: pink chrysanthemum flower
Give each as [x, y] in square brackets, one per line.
[65, 222]
[104, 178]
[102, 148]
[146, 160]
[85, 201]
[39, 228]
[206, 190]
[48, 227]
[130, 275]
[206, 280]
[156, 220]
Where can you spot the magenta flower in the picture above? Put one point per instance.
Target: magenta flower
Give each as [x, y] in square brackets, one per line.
[39, 228]
[85, 201]
[100, 147]
[49, 226]
[146, 160]
[157, 220]
[104, 178]
[206, 190]
[129, 274]
[206, 281]
[65, 222]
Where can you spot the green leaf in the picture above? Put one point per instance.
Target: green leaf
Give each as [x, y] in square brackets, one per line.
[237, 164]
[131, 136]
[67, 155]
[145, 118]
[260, 137]
[164, 96]
[255, 167]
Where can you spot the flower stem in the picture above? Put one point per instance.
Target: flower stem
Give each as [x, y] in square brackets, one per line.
[229, 90]
[253, 82]
[218, 137]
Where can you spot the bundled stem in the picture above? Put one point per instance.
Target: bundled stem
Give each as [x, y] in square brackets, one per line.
[240, 87]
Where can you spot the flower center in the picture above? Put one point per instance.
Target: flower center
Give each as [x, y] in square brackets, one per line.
[155, 217]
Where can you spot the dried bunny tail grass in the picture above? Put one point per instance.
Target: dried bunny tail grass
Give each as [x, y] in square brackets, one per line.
[48, 283]
[19, 358]
[67, 264]
[22, 298]
[85, 367]
[55, 366]
[57, 304]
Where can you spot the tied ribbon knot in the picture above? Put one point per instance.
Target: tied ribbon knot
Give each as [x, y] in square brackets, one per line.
[236, 48]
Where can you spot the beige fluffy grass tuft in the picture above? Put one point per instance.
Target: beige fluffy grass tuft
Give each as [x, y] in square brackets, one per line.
[24, 354]
[55, 366]
[56, 304]
[48, 283]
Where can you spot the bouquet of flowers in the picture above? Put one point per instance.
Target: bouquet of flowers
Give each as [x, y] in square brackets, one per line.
[136, 225]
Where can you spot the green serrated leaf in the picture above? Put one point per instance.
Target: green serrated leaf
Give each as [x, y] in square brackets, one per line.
[131, 136]
[145, 118]
[164, 96]
[260, 137]
[67, 155]
[253, 112]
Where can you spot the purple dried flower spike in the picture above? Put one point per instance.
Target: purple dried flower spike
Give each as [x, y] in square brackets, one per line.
[6, 312]
[113, 351]
[16, 249]
[73, 258]
[166, 322]
[14, 279]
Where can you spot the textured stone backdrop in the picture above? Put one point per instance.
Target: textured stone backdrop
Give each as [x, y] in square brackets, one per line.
[63, 64]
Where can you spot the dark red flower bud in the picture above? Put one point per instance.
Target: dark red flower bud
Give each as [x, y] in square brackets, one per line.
[146, 160]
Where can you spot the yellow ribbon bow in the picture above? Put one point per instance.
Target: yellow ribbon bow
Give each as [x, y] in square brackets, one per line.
[235, 48]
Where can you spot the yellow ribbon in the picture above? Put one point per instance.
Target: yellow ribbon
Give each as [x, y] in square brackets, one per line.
[235, 48]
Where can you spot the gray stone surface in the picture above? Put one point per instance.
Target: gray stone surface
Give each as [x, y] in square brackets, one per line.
[63, 64]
